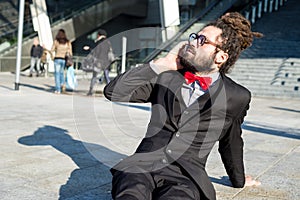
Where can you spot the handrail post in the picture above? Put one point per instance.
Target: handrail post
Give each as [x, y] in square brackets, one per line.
[253, 14]
[266, 6]
[124, 45]
[276, 5]
[247, 13]
[259, 9]
[271, 6]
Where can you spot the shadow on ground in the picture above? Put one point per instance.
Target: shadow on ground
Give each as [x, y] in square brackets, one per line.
[91, 175]
[265, 129]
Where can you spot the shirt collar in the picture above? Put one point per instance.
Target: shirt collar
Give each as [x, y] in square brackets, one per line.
[214, 76]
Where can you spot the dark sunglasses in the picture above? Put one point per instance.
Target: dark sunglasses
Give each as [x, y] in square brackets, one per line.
[201, 40]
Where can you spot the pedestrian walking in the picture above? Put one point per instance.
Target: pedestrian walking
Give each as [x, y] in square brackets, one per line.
[36, 53]
[99, 60]
[61, 47]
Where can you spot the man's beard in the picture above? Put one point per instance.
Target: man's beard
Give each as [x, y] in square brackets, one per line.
[202, 64]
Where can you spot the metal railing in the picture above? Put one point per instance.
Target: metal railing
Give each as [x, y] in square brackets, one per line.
[28, 31]
[252, 11]
[166, 44]
[257, 8]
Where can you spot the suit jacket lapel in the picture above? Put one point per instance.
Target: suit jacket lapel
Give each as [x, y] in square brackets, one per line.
[210, 95]
[175, 99]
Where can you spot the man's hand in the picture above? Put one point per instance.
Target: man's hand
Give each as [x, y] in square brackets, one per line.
[171, 61]
[250, 182]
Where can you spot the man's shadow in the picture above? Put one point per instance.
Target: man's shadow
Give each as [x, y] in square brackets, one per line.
[92, 174]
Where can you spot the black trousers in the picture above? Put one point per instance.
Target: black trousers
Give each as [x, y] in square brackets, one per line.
[168, 183]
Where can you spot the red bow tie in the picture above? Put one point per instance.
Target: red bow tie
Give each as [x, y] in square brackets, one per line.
[203, 81]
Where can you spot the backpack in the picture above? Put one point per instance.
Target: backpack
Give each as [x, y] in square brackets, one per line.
[91, 64]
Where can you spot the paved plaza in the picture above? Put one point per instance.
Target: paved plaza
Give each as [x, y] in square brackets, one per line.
[62, 146]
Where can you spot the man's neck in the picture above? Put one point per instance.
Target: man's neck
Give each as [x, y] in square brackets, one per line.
[206, 73]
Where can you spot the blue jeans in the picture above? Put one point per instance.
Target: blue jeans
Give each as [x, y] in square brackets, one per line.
[35, 61]
[59, 66]
[95, 78]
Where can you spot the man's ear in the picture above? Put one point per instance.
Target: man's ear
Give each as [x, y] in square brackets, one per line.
[221, 57]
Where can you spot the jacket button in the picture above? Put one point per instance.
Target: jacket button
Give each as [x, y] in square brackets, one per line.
[186, 112]
[169, 151]
[177, 134]
[164, 161]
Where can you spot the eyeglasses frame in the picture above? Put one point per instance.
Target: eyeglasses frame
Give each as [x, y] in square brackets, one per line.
[203, 41]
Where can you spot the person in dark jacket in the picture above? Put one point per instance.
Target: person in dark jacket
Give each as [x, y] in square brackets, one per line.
[194, 105]
[100, 58]
[36, 53]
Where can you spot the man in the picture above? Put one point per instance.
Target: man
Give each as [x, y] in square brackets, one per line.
[99, 59]
[188, 117]
[36, 53]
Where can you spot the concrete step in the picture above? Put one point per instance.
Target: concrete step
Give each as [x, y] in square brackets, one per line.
[291, 77]
[279, 89]
[257, 80]
[263, 74]
[259, 72]
[292, 81]
[256, 67]
[295, 69]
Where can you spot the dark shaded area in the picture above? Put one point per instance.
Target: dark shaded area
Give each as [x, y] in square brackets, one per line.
[224, 180]
[286, 109]
[281, 31]
[271, 130]
[91, 173]
[37, 87]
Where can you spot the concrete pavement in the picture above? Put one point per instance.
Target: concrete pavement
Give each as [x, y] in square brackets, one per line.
[62, 146]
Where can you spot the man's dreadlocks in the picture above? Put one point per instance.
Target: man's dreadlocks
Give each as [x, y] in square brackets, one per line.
[236, 36]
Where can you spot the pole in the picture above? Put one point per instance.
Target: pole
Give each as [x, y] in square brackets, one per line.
[20, 38]
[162, 20]
[124, 44]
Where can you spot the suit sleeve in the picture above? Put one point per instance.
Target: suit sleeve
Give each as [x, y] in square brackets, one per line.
[231, 150]
[134, 85]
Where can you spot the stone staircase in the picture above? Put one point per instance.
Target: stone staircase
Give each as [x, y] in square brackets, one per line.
[273, 77]
[8, 17]
[271, 67]
[288, 74]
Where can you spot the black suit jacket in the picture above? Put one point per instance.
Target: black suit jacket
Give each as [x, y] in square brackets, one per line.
[185, 135]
